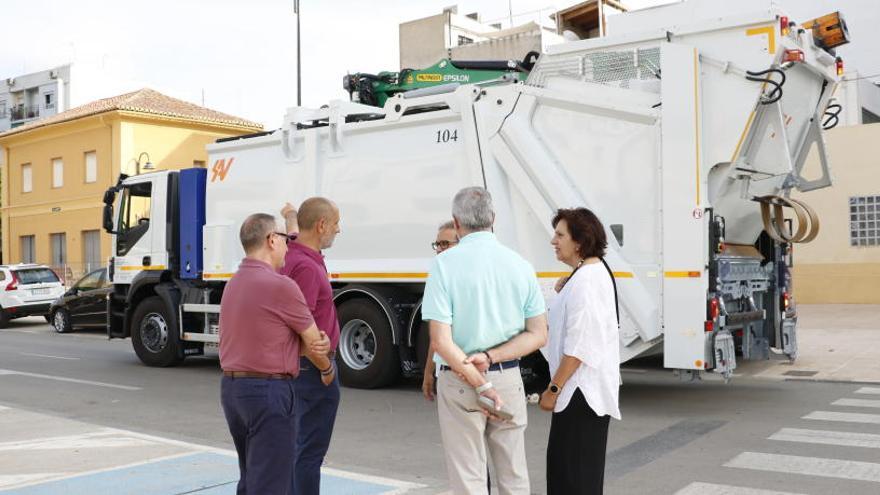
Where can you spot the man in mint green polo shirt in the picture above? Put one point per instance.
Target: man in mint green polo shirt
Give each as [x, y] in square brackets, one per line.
[484, 308]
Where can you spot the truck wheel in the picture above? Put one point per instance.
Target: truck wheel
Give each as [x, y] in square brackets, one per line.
[367, 354]
[153, 335]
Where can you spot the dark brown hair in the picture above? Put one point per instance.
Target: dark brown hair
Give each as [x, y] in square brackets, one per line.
[585, 229]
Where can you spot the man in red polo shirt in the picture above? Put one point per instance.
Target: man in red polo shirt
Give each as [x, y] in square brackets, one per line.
[316, 405]
[263, 318]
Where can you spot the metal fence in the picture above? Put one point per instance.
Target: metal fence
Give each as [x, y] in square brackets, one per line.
[69, 273]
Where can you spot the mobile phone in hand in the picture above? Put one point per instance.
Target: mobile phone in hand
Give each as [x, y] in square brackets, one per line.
[489, 405]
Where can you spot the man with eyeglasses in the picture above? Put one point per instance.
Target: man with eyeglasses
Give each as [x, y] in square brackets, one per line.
[266, 324]
[317, 222]
[446, 238]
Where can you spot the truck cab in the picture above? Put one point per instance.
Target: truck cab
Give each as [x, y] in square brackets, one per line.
[142, 215]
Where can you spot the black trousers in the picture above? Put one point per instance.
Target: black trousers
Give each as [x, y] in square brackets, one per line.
[576, 449]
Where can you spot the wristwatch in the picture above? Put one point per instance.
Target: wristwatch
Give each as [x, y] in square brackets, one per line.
[554, 388]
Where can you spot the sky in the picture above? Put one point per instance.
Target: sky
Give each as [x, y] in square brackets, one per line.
[239, 57]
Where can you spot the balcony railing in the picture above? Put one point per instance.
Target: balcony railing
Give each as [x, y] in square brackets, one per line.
[22, 112]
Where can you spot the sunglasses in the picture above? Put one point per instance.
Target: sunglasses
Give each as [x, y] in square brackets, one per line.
[442, 245]
[286, 237]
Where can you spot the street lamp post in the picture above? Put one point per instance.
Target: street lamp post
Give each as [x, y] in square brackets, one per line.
[147, 166]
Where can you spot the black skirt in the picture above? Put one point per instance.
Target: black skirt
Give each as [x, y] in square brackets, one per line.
[576, 449]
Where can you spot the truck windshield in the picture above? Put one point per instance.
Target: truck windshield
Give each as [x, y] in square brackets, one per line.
[134, 216]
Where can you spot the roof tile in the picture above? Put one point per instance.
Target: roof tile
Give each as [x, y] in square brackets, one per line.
[146, 101]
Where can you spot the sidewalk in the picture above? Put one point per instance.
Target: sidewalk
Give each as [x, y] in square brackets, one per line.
[836, 342]
[46, 455]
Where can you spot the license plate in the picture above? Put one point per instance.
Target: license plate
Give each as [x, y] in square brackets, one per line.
[40, 292]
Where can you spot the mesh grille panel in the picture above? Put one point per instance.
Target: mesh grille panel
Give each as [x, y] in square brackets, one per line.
[614, 68]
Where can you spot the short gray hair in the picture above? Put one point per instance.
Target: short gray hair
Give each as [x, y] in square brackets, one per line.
[472, 207]
[450, 225]
[254, 231]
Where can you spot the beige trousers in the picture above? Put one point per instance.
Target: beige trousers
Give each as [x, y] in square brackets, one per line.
[468, 435]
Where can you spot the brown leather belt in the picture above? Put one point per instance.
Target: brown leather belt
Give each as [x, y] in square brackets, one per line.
[257, 374]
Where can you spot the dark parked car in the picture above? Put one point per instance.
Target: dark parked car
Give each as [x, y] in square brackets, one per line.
[84, 305]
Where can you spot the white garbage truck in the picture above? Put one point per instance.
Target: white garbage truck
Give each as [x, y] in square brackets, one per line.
[686, 136]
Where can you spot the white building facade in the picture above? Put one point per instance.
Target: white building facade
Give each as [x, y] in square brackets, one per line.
[30, 97]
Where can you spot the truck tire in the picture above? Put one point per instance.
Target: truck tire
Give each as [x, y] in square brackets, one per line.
[153, 334]
[4, 318]
[367, 356]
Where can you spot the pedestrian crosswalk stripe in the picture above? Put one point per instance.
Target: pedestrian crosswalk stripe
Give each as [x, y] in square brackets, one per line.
[825, 437]
[844, 417]
[699, 488]
[869, 390]
[811, 466]
[857, 403]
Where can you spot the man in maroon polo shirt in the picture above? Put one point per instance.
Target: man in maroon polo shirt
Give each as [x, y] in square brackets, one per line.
[265, 322]
[316, 405]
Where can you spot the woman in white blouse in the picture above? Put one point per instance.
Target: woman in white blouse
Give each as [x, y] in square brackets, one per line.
[584, 357]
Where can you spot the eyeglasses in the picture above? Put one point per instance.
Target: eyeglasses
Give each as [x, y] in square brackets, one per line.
[442, 245]
[287, 237]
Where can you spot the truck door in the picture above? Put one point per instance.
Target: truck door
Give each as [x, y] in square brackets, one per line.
[139, 226]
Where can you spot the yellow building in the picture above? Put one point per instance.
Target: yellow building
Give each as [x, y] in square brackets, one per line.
[842, 265]
[55, 170]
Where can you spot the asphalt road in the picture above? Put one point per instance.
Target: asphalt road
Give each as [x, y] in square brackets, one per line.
[779, 436]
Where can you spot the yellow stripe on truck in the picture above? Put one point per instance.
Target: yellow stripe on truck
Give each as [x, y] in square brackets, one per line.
[130, 268]
[413, 275]
[691, 274]
[770, 31]
[420, 275]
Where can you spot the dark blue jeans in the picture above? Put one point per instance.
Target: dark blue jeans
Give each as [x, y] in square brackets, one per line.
[259, 413]
[315, 413]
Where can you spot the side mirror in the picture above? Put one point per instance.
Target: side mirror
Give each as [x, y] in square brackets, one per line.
[108, 218]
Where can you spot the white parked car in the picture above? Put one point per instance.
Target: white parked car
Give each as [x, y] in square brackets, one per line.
[27, 290]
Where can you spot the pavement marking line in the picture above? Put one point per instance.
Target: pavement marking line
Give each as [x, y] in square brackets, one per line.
[825, 437]
[15, 444]
[379, 480]
[398, 484]
[810, 466]
[645, 450]
[194, 473]
[177, 443]
[857, 403]
[49, 356]
[700, 488]
[64, 476]
[844, 417]
[869, 390]
[337, 478]
[75, 442]
[7, 481]
[69, 380]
